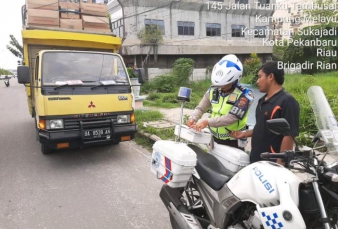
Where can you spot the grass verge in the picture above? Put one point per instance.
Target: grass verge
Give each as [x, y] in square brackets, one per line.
[148, 116]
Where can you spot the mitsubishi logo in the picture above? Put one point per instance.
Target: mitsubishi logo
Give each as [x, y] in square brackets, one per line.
[91, 104]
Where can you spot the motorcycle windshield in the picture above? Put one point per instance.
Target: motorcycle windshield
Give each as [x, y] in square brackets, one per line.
[325, 119]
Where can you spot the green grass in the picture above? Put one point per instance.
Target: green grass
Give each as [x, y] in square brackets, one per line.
[147, 115]
[143, 141]
[142, 116]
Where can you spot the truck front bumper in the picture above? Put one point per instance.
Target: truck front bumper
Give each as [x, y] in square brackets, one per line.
[57, 139]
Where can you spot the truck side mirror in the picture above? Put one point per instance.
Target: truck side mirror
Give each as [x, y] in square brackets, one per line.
[23, 75]
[141, 75]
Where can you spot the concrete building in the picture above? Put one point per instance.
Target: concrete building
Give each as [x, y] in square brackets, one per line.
[199, 29]
[291, 16]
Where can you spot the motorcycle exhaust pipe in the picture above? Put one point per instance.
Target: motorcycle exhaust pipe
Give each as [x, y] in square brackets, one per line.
[171, 199]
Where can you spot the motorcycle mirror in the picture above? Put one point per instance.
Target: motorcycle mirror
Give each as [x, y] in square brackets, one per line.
[278, 126]
[141, 75]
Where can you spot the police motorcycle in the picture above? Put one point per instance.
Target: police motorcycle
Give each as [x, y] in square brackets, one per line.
[201, 191]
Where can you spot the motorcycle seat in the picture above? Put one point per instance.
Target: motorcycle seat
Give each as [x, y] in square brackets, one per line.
[210, 169]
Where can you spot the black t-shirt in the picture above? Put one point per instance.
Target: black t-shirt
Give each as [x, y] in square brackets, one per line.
[280, 105]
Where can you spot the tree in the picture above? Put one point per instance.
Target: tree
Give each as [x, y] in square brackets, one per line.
[279, 51]
[5, 72]
[151, 35]
[321, 12]
[15, 48]
[311, 51]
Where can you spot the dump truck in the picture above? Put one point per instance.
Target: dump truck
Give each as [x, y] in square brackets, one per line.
[78, 89]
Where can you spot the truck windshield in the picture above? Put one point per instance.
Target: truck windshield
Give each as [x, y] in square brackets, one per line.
[60, 68]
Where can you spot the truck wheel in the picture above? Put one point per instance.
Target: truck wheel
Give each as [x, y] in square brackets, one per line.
[45, 150]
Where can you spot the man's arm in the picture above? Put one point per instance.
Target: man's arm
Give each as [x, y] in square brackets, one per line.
[241, 134]
[287, 144]
[291, 113]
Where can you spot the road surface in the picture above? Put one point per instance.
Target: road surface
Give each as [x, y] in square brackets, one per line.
[98, 187]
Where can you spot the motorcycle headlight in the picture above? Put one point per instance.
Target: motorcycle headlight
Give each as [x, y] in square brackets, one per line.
[54, 124]
[123, 118]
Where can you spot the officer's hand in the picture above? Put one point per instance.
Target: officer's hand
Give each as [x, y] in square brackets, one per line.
[237, 134]
[201, 124]
[190, 122]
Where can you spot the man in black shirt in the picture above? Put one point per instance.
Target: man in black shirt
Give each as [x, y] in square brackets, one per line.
[276, 103]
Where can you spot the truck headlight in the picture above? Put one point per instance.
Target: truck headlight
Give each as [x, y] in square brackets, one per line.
[123, 118]
[54, 124]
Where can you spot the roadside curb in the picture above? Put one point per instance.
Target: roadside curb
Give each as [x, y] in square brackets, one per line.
[150, 136]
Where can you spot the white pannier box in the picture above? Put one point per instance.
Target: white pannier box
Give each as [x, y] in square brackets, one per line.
[191, 135]
[173, 162]
[232, 158]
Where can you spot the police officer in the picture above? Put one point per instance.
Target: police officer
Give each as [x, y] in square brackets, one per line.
[228, 100]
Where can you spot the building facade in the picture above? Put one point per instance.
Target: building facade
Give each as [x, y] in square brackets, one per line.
[291, 16]
[202, 30]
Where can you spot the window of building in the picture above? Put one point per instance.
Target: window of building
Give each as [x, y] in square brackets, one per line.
[242, 1]
[213, 30]
[159, 23]
[289, 10]
[236, 30]
[186, 28]
[260, 32]
[263, 2]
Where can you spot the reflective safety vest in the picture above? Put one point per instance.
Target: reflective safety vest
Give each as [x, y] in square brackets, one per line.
[222, 108]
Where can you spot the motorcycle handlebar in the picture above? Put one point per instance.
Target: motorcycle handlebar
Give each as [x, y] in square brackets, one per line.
[286, 155]
[272, 155]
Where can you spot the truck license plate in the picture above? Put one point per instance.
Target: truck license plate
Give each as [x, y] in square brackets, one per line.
[99, 133]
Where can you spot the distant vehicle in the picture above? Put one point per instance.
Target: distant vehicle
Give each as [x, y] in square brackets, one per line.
[6, 80]
[2, 77]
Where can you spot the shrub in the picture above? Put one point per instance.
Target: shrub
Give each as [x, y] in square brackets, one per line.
[147, 87]
[182, 69]
[161, 83]
[251, 67]
[153, 96]
[131, 73]
[164, 83]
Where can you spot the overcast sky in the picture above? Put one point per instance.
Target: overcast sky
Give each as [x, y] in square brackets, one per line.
[10, 23]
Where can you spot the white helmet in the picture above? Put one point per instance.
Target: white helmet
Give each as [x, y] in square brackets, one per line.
[226, 71]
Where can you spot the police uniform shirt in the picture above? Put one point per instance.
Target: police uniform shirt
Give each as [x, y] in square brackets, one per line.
[280, 105]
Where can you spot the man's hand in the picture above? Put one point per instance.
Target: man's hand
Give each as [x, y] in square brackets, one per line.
[190, 122]
[238, 134]
[279, 161]
[201, 124]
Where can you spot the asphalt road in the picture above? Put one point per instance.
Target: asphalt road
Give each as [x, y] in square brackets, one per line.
[99, 187]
